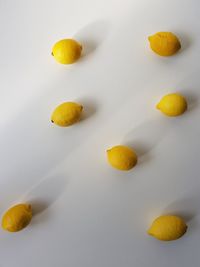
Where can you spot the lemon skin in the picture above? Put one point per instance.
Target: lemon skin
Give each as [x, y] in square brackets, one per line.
[164, 43]
[168, 228]
[122, 157]
[67, 51]
[17, 218]
[172, 105]
[66, 114]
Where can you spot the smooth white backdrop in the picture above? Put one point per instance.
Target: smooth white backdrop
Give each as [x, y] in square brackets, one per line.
[86, 213]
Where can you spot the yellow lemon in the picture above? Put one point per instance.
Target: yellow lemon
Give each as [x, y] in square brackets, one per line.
[17, 218]
[164, 43]
[172, 105]
[168, 227]
[66, 51]
[66, 114]
[122, 157]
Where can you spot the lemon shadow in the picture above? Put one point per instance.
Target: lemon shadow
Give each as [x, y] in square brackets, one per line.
[44, 194]
[185, 39]
[89, 108]
[145, 137]
[38, 206]
[187, 208]
[191, 98]
[92, 36]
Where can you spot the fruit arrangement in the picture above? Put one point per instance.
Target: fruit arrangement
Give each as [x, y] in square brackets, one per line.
[120, 157]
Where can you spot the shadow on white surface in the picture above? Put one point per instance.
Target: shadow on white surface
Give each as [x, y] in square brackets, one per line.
[188, 208]
[147, 136]
[185, 39]
[92, 35]
[192, 100]
[90, 107]
[42, 195]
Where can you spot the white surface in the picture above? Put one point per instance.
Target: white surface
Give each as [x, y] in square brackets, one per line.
[89, 214]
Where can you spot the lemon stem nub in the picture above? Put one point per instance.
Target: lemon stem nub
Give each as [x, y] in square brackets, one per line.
[52, 54]
[149, 232]
[52, 121]
[158, 106]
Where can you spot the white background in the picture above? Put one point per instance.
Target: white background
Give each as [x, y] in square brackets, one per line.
[86, 213]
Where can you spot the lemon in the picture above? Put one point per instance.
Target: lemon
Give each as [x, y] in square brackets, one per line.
[164, 43]
[17, 218]
[66, 51]
[168, 227]
[172, 105]
[122, 157]
[66, 114]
